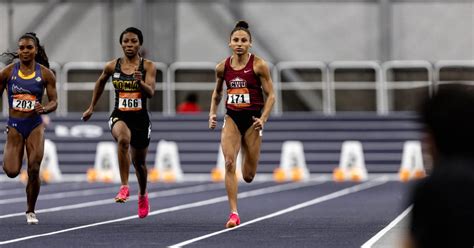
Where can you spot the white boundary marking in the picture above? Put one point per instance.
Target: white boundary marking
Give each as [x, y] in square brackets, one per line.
[314, 201]
[267, 190]
[67, 194]
[11, 191]
[62, 195]
[382, 232]
[170, 192]
[201, 177]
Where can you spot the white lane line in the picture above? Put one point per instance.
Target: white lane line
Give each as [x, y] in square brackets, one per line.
[314, 201]
[21, 189]
[62, 195]
[171, 192]
[251, 193]
[382, 232]
[11, 191]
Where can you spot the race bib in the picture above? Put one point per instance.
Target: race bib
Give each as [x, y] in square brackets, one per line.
[24, 102]
[130, 101]
[239, 97]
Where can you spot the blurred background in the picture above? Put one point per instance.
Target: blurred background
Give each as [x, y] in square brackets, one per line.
[342, 69]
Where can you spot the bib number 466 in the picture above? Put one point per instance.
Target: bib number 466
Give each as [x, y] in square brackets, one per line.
[130, 103]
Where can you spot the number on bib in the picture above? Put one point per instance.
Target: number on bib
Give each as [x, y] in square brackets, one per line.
[238, 97]
[130, 101]
[24, 102]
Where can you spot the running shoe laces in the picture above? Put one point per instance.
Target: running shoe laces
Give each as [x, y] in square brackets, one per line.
[233, 221]
[123, 194]
[31, 218]
[143, 205]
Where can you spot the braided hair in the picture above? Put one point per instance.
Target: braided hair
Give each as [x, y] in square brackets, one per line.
[40, 57]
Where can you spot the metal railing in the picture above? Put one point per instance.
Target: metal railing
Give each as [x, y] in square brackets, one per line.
[459, 65]
[303, 85]
[407, 83]
[384, 79]
[376, 84]
[173, 85]
[204, 80]
[68, 86]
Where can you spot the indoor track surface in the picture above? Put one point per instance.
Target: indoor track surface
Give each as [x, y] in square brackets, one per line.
[316, 213]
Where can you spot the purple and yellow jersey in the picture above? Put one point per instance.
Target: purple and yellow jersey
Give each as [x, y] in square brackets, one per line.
[25, 91]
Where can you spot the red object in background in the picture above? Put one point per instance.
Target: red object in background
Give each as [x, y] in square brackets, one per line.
[188, 107]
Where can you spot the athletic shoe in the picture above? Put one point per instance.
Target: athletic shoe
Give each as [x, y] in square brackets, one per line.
[143, 205]
[31, 218]
[233, 221]
[123, 194]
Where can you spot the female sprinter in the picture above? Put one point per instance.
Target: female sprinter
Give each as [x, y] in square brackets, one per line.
[25, 82]
[245, 76]
[133, 78]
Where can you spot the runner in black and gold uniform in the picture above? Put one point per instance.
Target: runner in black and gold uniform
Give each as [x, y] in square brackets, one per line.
[134, 81]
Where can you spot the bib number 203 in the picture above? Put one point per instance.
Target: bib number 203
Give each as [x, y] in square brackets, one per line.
[24, 104]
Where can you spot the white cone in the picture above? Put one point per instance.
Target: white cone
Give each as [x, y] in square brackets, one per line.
[292, 163]
[351, 163]
[167, 164]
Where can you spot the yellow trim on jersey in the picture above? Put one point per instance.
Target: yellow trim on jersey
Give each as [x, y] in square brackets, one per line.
[23, 76]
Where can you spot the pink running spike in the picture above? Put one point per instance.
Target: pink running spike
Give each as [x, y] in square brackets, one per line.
[233, 221]
[143, 205]
[123, 194]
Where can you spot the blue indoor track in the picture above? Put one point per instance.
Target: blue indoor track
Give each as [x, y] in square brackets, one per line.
[316, 213]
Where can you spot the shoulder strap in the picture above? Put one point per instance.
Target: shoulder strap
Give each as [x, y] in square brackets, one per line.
[117, 65]
[141, 67]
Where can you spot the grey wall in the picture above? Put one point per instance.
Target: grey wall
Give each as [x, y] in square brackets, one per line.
[291, 31]
[433, 31]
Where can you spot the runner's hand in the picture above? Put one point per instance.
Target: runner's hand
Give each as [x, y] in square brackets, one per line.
[138, 75]
[257, 123]
[39, 109]
[87, 114]
[212, 121]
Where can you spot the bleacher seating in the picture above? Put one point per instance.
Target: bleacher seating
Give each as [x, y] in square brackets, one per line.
[382, 138]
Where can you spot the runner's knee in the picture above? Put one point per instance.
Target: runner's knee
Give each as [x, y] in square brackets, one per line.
[139, 165]
[229, 165]
[249, 178]
[11, 173]
[123, 142]
[33, 170]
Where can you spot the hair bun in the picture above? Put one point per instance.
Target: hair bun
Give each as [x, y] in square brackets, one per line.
[242, 24]
[32, 33]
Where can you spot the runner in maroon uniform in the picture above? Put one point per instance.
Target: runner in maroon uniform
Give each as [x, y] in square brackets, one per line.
[245, 75]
